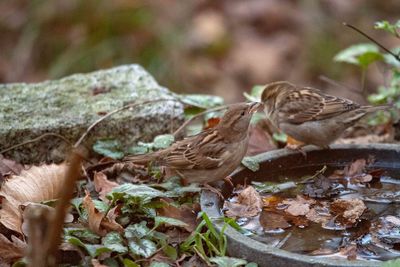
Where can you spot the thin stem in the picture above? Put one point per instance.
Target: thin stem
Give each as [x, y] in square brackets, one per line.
[397, 57]
[116, 111]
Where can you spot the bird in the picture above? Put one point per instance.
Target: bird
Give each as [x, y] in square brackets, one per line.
[309, 115]
[211, 155]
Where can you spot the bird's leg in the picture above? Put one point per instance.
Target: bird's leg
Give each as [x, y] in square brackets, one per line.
[213, 189]
[228, 180]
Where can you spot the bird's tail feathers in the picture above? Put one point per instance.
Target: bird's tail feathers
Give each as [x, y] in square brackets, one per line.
[143, 159]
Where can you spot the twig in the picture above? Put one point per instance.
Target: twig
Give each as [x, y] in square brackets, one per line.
[54, 235]
[116, 111]
[196, 116]
[397, 57]
[337, 84]
[35, 140]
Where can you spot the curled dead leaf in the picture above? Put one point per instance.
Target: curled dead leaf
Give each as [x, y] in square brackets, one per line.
[39, 183]
[183, 213]
[270, 220]
[11, 251]
[98, 222]
[102, 185]
[248, 204]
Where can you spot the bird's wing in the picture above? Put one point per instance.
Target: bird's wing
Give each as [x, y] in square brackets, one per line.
[205, 151]
[307, 104]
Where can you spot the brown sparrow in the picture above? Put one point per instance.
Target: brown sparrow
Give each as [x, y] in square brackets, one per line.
[309, 115]
[210, 155]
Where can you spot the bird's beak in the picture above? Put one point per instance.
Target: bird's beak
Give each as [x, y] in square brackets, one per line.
[254, 107]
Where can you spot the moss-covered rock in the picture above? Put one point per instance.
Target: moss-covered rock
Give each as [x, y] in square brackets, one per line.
[70, 105]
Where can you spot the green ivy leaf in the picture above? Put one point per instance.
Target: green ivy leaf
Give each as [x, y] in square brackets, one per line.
[109, 147]
[83, 234]
[251, 163]
[137, 191]
[142, 247]
[171, 252]
[163, 141]
[360, 54]
[388, 27]
[93, 250]
[114, 242]
[228, 261]
[202, 101]
[158, 220]
[137, 230]
[130, 263]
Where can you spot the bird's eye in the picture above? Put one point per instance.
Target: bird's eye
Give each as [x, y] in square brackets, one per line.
[243, 113]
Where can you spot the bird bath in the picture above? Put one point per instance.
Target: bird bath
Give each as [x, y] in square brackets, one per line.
[293, 164]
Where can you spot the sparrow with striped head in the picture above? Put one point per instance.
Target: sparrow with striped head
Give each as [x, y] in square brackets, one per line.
[210, 155]
[309, 115]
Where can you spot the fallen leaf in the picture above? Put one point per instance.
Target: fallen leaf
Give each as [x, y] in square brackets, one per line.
[98, 222]
[316, 215]
[248, 204]
[212, 122]
[272, 220]
[361, 178]
[102, 185]
[94, 216]
[356, 167]
[183, 213]
[299, 206]
[10, 251]
[8, 167]
[259, 141]
[37, 184]
[348, 210]
[350, 251]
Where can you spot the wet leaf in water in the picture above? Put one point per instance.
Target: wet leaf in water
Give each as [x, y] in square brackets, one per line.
[348, 210]
[298, 206]
[248, 204]
[271, 220]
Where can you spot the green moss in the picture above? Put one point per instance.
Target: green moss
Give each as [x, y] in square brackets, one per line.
[69, 105]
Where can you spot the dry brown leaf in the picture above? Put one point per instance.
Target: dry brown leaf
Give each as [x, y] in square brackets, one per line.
[259, 141]
[362, 178]
[99, 222]
[348, 210]
[94, 216]
[350, 251]
[109, 222]
[11, 250]
[272, 220]
[102, 185]
[249, 204]
[39, 183]
[184, 213]
[356, 167]
[299, 206]
[8, 167]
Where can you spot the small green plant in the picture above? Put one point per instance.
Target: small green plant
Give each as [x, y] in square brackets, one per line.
[363, 55]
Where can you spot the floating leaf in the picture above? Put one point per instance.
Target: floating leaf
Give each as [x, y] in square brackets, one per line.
[361, 55]
[163, 141]
[228, 261]
[110, 148]
[114, 242]
[251, 163]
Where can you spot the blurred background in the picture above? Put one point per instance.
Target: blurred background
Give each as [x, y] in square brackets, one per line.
[218, 47]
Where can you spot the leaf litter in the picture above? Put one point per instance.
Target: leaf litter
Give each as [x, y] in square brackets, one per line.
[342, 214]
